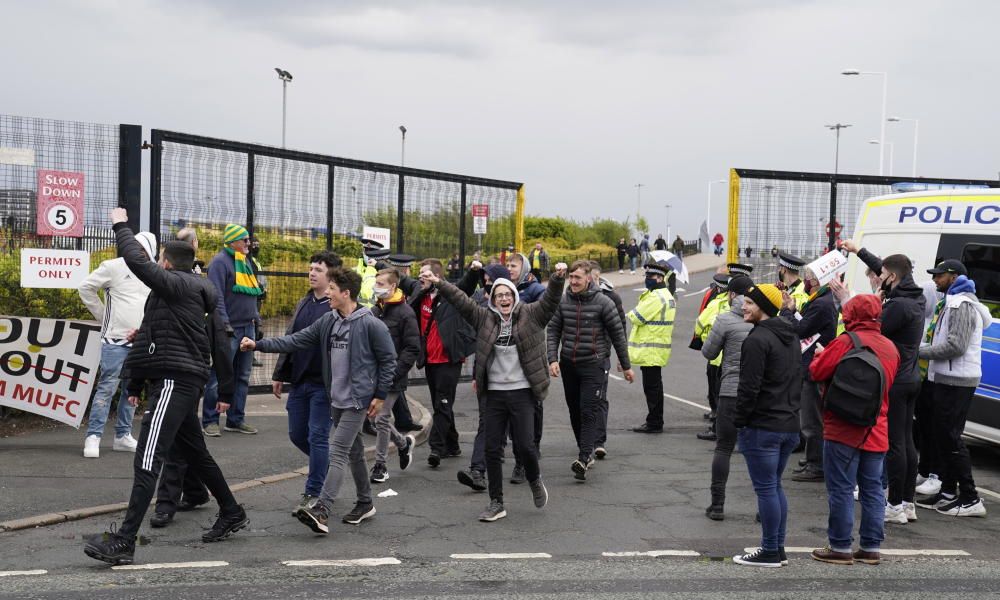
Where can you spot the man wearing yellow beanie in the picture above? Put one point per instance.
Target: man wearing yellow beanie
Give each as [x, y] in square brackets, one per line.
[767, 415]
[235, 278]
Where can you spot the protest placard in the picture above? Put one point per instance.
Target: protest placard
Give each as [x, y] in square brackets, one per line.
[828, 266]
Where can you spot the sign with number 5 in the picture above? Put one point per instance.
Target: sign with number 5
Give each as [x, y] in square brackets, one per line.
[60, 203]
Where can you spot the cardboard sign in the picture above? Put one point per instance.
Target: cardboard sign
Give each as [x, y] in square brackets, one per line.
[828, 266]
[379, 234]
[48, 366]
[60, 203]
[53, 268]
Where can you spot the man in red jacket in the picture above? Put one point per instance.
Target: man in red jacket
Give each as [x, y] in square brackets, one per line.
[852, 453]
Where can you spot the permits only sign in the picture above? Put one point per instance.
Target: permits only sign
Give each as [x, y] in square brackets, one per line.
[42, 268]
[60, 203]
[480, 217]
[48, 366]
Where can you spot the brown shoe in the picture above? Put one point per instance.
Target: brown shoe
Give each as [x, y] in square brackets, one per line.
[869, 558]
[835, 558]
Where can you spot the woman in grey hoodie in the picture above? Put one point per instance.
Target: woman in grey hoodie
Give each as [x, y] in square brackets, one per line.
[511, 373]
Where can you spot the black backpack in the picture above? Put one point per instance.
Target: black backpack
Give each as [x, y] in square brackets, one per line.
[855, 392]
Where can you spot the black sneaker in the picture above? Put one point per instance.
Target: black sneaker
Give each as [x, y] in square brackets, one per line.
[936, 501]
[539, 493]
[305, 501]
[647, 428]
[406, 453]
[161, 519]
[433, 460]
[226, 525]
[759, 558]
[185, 504]
[493, 512]
[410, 427]
[600, 452]
[359, 513]
[715, 512]
[579, 470]
[809, 474]
[111, 547]
[379, 474]
[518, 476]
[708, 435]
[782, 556]
[474, 479]
[314, 517]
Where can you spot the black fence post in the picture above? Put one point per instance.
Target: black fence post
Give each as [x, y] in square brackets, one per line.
[400, 213]
[832, 225]
[461, 230]
[329, 205]
[155, 180]
[130, 172]
[251, 167]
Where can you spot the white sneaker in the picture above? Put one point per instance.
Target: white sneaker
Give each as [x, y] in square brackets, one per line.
[620, 271]
[930, 487]
[125, 443]
[957, 509]
[920, 479]
[92, 446]
[857, 493]
[896, 514]
[632, 273]
[910, 509]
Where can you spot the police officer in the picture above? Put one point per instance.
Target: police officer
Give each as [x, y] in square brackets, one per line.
[649, 341]
[789, 280]
[702, 327]
[373, 252]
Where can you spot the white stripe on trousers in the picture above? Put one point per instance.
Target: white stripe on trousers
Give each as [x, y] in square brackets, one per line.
[154, 426]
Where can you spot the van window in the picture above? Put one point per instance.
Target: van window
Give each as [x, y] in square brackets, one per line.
[983, 263]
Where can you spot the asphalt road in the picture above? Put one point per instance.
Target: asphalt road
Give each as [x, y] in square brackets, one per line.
[647, 497]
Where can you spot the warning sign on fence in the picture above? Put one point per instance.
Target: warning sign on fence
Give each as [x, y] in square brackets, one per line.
[60, 203]
[480, 217]
[48, 366]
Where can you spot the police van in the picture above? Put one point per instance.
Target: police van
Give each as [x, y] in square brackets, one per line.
[929, 227]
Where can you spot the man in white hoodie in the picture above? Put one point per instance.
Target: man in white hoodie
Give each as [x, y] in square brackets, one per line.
[119, 314]
[955, 367]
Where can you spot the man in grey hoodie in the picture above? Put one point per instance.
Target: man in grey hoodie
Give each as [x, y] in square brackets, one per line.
[359, 365]
[955, 355]
[726, 337]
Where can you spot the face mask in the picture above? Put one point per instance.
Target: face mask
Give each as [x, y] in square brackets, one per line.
[488, 288]
[886, 286]
[807, 286]
[382, 293]
[651, 283]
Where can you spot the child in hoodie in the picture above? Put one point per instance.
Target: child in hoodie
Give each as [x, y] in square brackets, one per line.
[528, 287]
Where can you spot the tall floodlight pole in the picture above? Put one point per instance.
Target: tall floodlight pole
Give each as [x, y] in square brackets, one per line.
[402, 146]
[916, 130]
[285, 77]
[832, 223]
[708, 206]
[885, 95]
[669, 236]
[638, 201]
[836, 155]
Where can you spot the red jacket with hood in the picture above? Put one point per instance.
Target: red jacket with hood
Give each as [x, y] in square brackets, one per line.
[861, 316]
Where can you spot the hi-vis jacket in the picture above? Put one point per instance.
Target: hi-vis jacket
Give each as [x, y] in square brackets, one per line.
[703, 325]
[798, 293]
[367, 295]
[652, 327]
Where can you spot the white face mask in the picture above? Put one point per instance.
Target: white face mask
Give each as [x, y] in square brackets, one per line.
[382, 293]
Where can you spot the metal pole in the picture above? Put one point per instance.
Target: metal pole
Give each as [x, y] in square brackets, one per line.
[669, 236]
[881, 150]
[284, 115]
[892, 154]
[284, 112]
[402, 151]
[916, 128]
[708, 210]
[638, 202]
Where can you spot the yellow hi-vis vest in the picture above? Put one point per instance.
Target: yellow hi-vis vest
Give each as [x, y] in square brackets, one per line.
[652, 327]
[367, 295]
[703, 325]
[798, 293]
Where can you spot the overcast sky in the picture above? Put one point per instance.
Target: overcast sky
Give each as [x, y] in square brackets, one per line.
[580, 99]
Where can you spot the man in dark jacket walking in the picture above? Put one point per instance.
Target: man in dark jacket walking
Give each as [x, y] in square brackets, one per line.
[815, 322]
[767, 415]
[171, 353]
[603, 407]
[446, 339]
[578, 344]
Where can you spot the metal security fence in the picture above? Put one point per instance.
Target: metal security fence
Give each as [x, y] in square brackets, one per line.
[109, 158]
[295, 203]
[801, 213]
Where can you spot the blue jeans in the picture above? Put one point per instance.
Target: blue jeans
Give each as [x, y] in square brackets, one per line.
[242, 363]
[631, 261]
[845, 466]
[309, 425]
[766, 454]
[112, 357]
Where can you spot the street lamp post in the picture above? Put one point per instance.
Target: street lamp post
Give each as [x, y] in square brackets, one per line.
[285, 77]
[638, 202]
[892, 151]
[402, 146]
[916, 129]
[708, 206]
[669, 233]
[885, 93]
[832, 223]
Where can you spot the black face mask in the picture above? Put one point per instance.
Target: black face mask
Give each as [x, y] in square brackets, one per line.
[886, 286]
[651, 283]
[488, 288]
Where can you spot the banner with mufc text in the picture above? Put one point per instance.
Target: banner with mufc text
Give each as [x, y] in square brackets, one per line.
[48, 366]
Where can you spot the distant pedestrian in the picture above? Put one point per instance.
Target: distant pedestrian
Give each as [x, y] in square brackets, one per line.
[717, 240]
[622, 250]
[538, 258]
[633, 255]
[454, 268]
[678, 246]
[644, 249]
[660, 243]
[749, 251]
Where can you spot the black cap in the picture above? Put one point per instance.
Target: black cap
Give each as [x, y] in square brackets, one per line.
[949, 266]
[790, 261]
[377, 253]
[740, 284]
[401, 260]
[735, 267]
[370, 244]
[660, 267]
[721, 280]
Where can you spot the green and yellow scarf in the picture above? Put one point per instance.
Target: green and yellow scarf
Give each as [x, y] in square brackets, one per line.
[246, 281]
[923, 363]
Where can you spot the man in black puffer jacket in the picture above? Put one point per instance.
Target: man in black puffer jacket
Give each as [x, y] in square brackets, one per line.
[579, 339]
[903, 323]
[172, 353]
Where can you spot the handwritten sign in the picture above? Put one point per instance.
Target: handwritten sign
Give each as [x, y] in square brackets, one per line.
[828, 266]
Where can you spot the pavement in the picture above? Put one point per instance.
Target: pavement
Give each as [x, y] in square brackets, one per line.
[635, 528]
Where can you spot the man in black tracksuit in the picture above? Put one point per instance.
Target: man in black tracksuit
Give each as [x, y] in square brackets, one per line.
[578, 345]
[608, 289]
[171, 353]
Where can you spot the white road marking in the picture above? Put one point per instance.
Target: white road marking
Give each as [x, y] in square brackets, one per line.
[884, 551]
[988, 492]
[680, 289]
[701, 291]
[688, 402]
[356, 562]
[15, 573]
[204, 564]
[501, 556]
[653, 553]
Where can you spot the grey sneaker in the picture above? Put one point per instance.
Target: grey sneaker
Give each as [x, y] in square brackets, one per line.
[579, 470]
[493, 512]
[307, 501]
[474, 479]
[212, 430]
[359, 513]
[315, 517]
[539, 493]
[518, 476]
[242, 428]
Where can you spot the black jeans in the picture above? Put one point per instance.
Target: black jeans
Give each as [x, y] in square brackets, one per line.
[929, 459]
[178, 481]
[584, 388]
[951, 407]
[714, 375]
[621, 261]
[172, 424]
[811, 420]
[514, 411]
[901, 461]
[442, 383]
[602, 410]
[724, 444]
[652, 387]
[401, 412]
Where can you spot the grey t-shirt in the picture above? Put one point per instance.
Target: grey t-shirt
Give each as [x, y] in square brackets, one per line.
[340, 365]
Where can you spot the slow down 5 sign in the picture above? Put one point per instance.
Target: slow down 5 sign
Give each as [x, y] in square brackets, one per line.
[60, 203]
